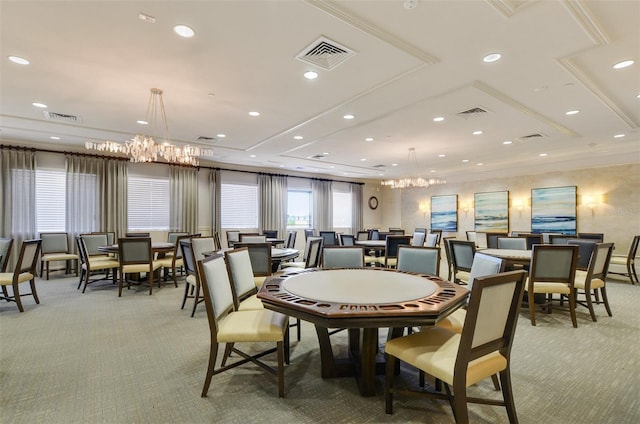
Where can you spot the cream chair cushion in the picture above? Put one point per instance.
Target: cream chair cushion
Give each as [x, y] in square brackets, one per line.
[550, 287]
[6, 278]
[135, 268]
[251, 303]
[455, 321]
[252, 326]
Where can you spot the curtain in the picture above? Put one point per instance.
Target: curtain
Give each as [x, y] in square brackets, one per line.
[82, 196]
[272, 190]
[322, 205]
[357, 220]
[18, 197]
[214, 189]
[112, 189]
[183, 198]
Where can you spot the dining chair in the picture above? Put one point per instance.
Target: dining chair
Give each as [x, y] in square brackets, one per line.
[309, 232]
[471, 236]
[291, 240]
[559, 238]
[597, 237]
[24, 270]
[432, 240]
[232, 237]
[55, 247]
[481, 240]
[93, 241]
[588, 283]
[135, 256]
[261, 263]
[305, 256]
[192, 289]
[420, 259]
[390, 258]
[459, 360]
[438, 233]
[418, 239]
[531, 239]
[89, 266]
[514, 243]
[462, 253]
[252, 238]
[396, 231]
[171, 263]
[585, 250]
[342, 257]
[229, 326]
[111, 236]
[240, 272]
[328, 238]
[552, 271]
[347, 240]
[138, 234]
[270, 234]
[492, 239]
[216, 240]
[628, 260]
[447, 252]
[362, 235]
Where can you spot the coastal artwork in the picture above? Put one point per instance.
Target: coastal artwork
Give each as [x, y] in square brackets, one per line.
[444, 212]
[553, 210]
[492, 211]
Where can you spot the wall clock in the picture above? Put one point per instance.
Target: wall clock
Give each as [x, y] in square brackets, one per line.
[373, 202]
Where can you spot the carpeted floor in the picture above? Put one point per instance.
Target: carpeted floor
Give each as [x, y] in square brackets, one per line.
[97, 358]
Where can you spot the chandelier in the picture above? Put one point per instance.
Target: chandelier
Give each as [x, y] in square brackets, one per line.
[143, 148]
[413, 182]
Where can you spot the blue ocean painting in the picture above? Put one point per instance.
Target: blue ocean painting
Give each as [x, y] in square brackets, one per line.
[492, 211]
[444, 212]
[553, 210]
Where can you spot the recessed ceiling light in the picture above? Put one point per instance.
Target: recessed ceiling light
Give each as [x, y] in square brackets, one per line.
[618, 136]
[493, 57]
[477, 132]
[380, 174]
[438, 119]
[479, 163]
[542, 155]
[54, 137]
[183, 31]
[298, 137]
[368, 139]
[19, 60]
[311, 75]
[572, 112]
[281, 166]
[221, 135]
[254, 113]
[433, 170]
[325, 153]
[623, 64]
[363, 160]
[332, 167]
[394, 164]
[141, 122]
[507, 142]
[349, 116]
[252, 156]
[441, 155]
[465, 160]
[36, 104]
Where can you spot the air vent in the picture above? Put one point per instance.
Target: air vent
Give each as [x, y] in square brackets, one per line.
[325, 53]
[205, 138]
[317, 156]
[54, 116]
[472, 113]
[380, 166]
[532, 136]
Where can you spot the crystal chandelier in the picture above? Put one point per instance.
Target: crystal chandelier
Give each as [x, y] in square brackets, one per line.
[413, 182]
[143, 148]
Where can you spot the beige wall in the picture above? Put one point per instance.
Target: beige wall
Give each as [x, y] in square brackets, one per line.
[618, 217]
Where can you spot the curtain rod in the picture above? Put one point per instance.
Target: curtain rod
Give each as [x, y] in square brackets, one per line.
[34, 149]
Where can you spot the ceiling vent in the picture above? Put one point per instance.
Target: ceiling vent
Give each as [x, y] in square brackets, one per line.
[325, 53]
[317, 156]
[531, 136]
[205, 138]
[53, 116]
[380, 166]
[472, 113]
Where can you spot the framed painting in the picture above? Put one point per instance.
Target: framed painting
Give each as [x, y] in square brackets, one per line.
[491, 211]
[444, 212]
[553, 210]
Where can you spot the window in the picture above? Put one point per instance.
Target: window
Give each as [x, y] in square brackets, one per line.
[148, 203]
[239, 206]
[342, 209]
[51, 211]
[299, 209]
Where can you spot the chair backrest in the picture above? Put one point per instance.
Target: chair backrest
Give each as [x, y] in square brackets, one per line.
[232, 237]
[559, 238]
[471, 236]
[553, 263]
[201, 245]
[328, 238]
[142, 235]
[134, 250]
[111, 236]
[392, 243]
[172, 237]
[270, 234]
[418, 239]
[82, 250]
[216, 288]
[462, 253]
[532, 239]
[188, 259]
[396, 231]
[93, 241]
[600, 259]
[347, 240]
[309, 232]
[633, 248]
[585, 250]
[342, 257]
[374, 234]
[216, 240]
[291, 240]
[420, 230]
[241, 273]
[314, 247]
[492, 239]
[516, 243]
[432, 240]
[362, 235]
[423, 260]
[252, 238]
[481, 240]
[491, 318]
[28, 258]
[438, 232]
[597, 237]
[54, 243]
[260, 256]
[5, 252]
[484, 265]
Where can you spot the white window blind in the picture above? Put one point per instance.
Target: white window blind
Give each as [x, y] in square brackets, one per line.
[50, 200]
[239, 206]
[342, 210]
[148, 203]
[299, 209]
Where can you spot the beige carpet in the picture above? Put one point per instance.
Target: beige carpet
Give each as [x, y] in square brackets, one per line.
[95, 358]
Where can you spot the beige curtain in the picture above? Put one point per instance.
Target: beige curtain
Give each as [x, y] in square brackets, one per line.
[82, 196]
[322, 205]
[357, 220]
[183, 198]
[215, 189]
[272, 191]
[17, 197]
[112, 189]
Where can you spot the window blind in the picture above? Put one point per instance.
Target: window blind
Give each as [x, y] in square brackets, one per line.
[342, 210]
[50, 200]
[239, 206]
[147, 203]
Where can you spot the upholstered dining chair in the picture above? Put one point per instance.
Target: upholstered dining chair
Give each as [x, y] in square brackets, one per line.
[135, 256]
[420, 259]
[390, 258]
[347, 239]
[229, 326]
[172, 236]
[232, 237]
[171, 263]
[260, 257]
[628, 261]
[462, 253]
[437, 232]
[588, 283]
[481, 350]
[270, 234]
[111, 236]
[329, 238]
[291, 240]
[93, 241]
[514, 243]
[192, 288]
[553, 271]
[418, 239]
[252, 238]
[342, 257]
[105, 265]
[240, 272]
[138, 234]
[310, 257]
[432, 240]
[24, 270]
[55, 247]
[585, 250]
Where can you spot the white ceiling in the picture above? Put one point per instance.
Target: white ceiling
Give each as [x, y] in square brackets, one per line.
[97, 60]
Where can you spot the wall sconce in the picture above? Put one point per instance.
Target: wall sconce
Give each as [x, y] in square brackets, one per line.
[592, 201]
[424, 209]
[518, 204]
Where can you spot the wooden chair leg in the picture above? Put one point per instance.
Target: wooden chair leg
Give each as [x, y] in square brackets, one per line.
[496, 382]
[213, 354]
[16, 296]
[572, 309]
[532, 308]
[507, 395]
[605, 300]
